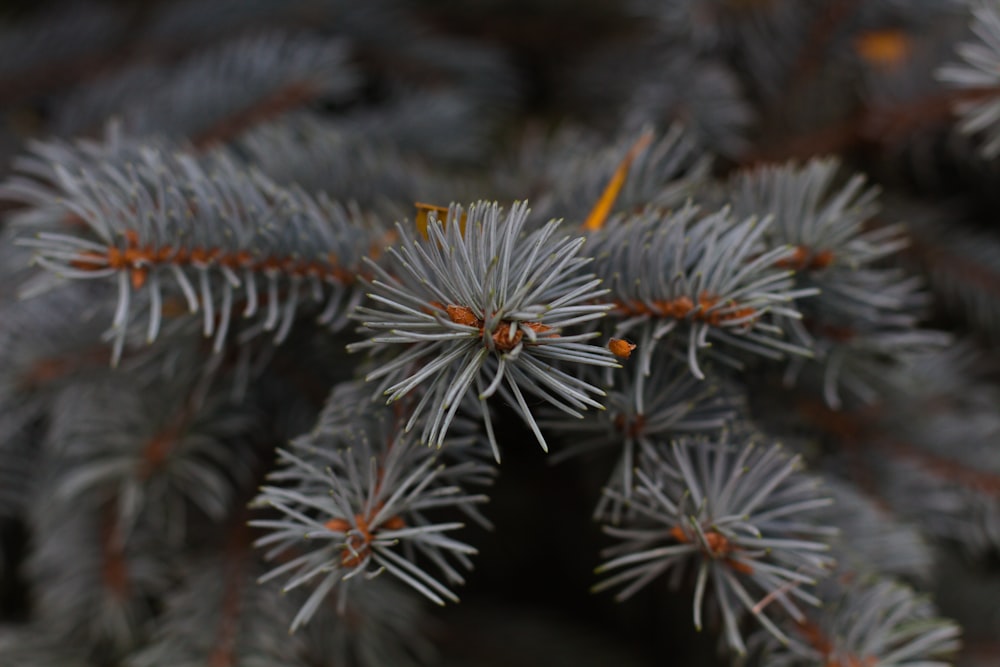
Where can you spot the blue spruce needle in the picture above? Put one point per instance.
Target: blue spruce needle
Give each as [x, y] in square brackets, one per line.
[483, 303]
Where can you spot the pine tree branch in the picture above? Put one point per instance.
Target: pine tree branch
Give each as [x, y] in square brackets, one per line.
[366, 494]
[713, 273]
[214, 96]
[281, 101]
[879, 128]
[955, 472]
[48, 371]
[487, 307]
[224, 653]
[868, 622]
[645, 405]
[738, 513]
[866, 426]
[156, 221]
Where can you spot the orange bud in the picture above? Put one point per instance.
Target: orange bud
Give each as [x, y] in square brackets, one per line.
[621, 348]
[884, 48]
[338, 525]
[463, 315]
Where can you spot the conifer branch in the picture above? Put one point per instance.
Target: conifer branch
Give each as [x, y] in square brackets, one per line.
[707, 276]
[220, 617]
[979, 73]
[738, 514]
[103, 601]
[871, 538]
[214, 96]
[367, 497]
[171, 230]
[645, 406]
[287, 132]
[490, 307]
[878, 622]
[143, 449]
[865, 312]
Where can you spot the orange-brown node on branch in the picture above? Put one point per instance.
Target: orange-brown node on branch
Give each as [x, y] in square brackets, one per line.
[338, 525]
[116, 258]
[718, 318]
[45, 370]
[138, 277]
[738, 566]
[888, 49]
[721, 316]
[707, 301]
[821, 260]
[503, 340]
[139, 260]
[836, 332]
[796, 261]
[632, 428]
[718, 544]
[621, 348]
[803, 259]
[814, 635]
[677, 308]
[88, 260]
[158, 448]
[133, 259]
[355, 551]
[680, 307]
[463, 315]
[816, 638]
[205, 256]
[359, 543]
[537, 327]
[233, 260]
[683, 306]
[746, 313]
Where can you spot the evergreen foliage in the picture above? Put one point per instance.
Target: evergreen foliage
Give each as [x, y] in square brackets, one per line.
[280, 282]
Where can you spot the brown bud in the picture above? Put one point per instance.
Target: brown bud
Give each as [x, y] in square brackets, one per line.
[621, 348]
